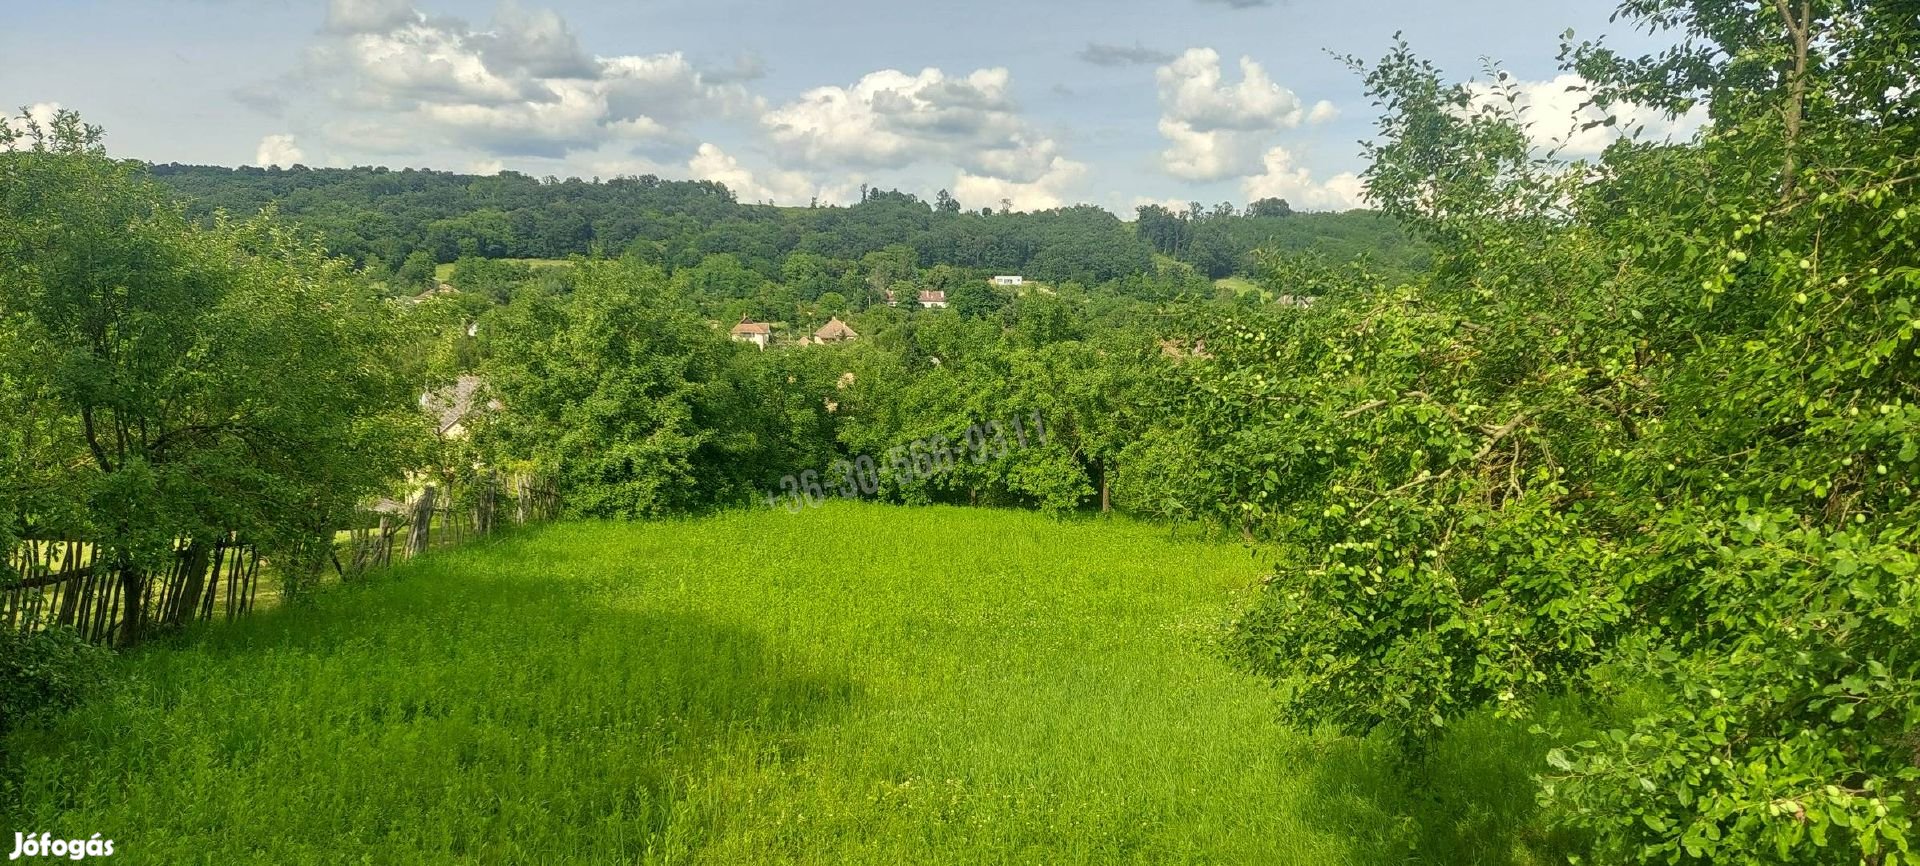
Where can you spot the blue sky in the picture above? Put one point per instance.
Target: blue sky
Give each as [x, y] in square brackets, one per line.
[1041, 102]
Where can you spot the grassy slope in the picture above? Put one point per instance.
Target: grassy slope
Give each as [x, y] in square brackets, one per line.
[444, 271]
[1240, 286]
[857, 684]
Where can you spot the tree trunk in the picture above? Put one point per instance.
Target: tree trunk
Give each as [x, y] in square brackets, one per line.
[1800, 31]
[194, 577]
[133, 593]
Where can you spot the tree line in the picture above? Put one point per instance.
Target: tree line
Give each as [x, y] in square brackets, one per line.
[404, 221]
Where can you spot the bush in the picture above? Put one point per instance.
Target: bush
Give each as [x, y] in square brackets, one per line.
[45, 672]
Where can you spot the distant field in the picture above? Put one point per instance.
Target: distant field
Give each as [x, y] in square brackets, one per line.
[856, 684]
[443, 271]
[1240, 286]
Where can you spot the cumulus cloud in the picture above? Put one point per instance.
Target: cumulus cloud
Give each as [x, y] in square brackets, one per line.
[522, 86]
[1100, 54]
[710, 162]
[40, 113]
[1194, 89]
[1215, 127]
[280, 150]
[890, 120]
[1280, 177]
[532, 42]
[1206, 155]
[1558, 121]
[369, 16]
[1052, 188]
[1140, 201]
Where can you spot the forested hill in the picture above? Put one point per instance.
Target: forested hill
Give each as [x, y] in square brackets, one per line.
[380, 217]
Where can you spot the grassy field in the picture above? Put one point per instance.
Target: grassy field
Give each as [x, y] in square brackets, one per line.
[854, 684]
[444, 271]
[1240, 286]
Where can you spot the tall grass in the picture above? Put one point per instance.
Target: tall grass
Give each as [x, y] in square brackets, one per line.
[856, 684]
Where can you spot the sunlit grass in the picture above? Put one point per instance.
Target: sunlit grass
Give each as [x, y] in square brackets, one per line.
[1240, 286]
[854, 684]
[443, 271]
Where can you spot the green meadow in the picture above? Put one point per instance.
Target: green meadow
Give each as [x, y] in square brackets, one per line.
[853, 684]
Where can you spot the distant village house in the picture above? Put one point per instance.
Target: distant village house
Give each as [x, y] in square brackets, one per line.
[750, 331]
[934, 299]
[834, 331]
[451, 407]
[1008, 280]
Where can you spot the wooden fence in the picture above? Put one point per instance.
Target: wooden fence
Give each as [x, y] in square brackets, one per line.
[48, 583]
[63, 583]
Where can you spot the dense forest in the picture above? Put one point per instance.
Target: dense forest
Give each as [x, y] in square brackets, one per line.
[381, 218]
[1620, 452]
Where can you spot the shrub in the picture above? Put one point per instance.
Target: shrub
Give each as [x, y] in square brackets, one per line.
[45, 672]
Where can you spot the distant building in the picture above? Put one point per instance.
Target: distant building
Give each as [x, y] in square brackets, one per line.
[1297, 301]
[438, 291]
[933, 299]
[1008, 280]
[750, 331]
[451, 407]
[834, 331]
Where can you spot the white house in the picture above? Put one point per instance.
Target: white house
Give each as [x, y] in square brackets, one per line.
[750, 331]
[1008, 280]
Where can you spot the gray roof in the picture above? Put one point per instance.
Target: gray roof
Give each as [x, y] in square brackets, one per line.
[451, 405]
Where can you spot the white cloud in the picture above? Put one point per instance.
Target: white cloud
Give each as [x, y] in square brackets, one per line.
[1193, 90]
[709, 162]
[1557, 120]
[1281, 178]
[1216, 128]
[1132, 211]
[40, 113]
[1322, 112]
[280, 150]
[891, 120]
[522, 86]
[363, 16]
[1210, 155]
[1053, 188]
[533, 42]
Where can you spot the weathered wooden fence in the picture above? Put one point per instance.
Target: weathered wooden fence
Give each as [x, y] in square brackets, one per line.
[62, 583]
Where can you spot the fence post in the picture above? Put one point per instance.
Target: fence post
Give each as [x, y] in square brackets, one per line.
[422, 528]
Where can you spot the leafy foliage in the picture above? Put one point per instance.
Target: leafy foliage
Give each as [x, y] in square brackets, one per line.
[45, 672]
[179, 382]
[1651, 421]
